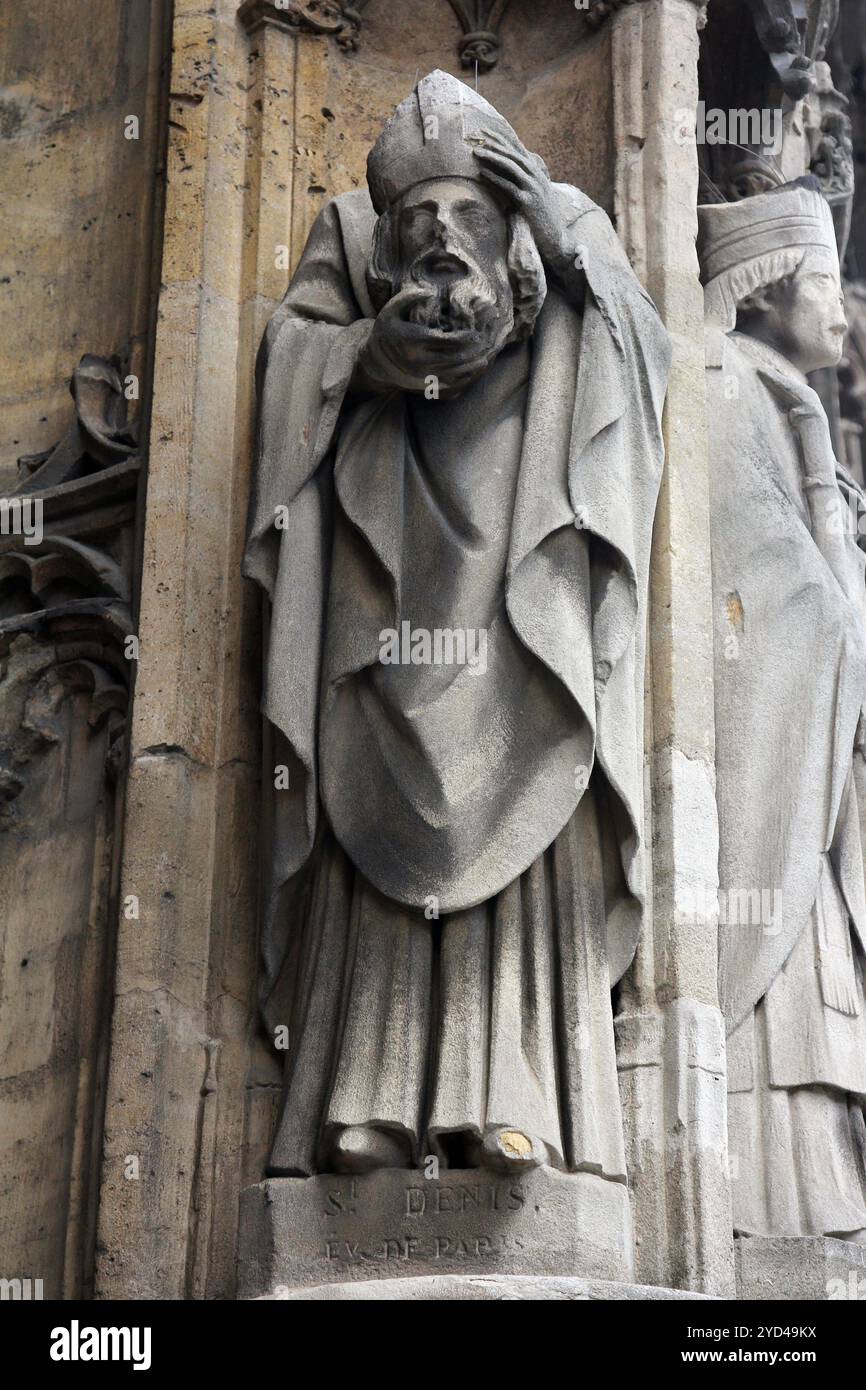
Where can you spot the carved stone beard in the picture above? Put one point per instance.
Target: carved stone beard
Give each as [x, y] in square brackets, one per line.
[480, 302]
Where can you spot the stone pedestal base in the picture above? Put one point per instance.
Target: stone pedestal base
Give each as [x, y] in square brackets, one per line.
[471, 1288]
[800, 1267]
[298, 1233]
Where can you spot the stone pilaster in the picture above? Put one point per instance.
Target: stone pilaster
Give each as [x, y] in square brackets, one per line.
[670, 1030]
[184, 1009]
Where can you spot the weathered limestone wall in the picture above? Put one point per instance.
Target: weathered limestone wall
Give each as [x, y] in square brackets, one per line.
[55, 863]
[79, 213]
[79, 202]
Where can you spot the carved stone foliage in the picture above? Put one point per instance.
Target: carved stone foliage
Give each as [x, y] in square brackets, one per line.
[480, 20]
[37, 678]
[69, 642]
[333, 18]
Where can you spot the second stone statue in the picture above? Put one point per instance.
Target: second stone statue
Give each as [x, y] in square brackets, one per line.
[790, 690]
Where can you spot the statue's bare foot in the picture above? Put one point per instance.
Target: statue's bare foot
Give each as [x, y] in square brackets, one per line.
[512, 1151]
[361, 1148]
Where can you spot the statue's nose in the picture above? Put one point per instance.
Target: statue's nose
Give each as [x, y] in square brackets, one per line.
[446, 228]
[445, 254]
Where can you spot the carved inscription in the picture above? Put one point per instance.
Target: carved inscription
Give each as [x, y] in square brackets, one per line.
[417, 1232]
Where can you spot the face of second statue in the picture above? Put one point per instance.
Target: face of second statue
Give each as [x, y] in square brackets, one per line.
[803, 317]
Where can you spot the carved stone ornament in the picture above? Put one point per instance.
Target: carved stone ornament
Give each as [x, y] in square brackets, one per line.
[65, 591]
[333, 18]
[480, 20]
[98, 436]
[780, 26]
[831, 150]
[806, 117]
[597, 11]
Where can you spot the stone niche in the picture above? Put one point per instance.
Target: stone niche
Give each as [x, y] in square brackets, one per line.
[553, 81]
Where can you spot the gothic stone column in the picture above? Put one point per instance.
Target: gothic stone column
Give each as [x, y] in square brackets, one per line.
[671, 1033]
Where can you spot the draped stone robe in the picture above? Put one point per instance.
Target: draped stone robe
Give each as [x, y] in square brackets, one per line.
[508, 797]
[790, 687]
